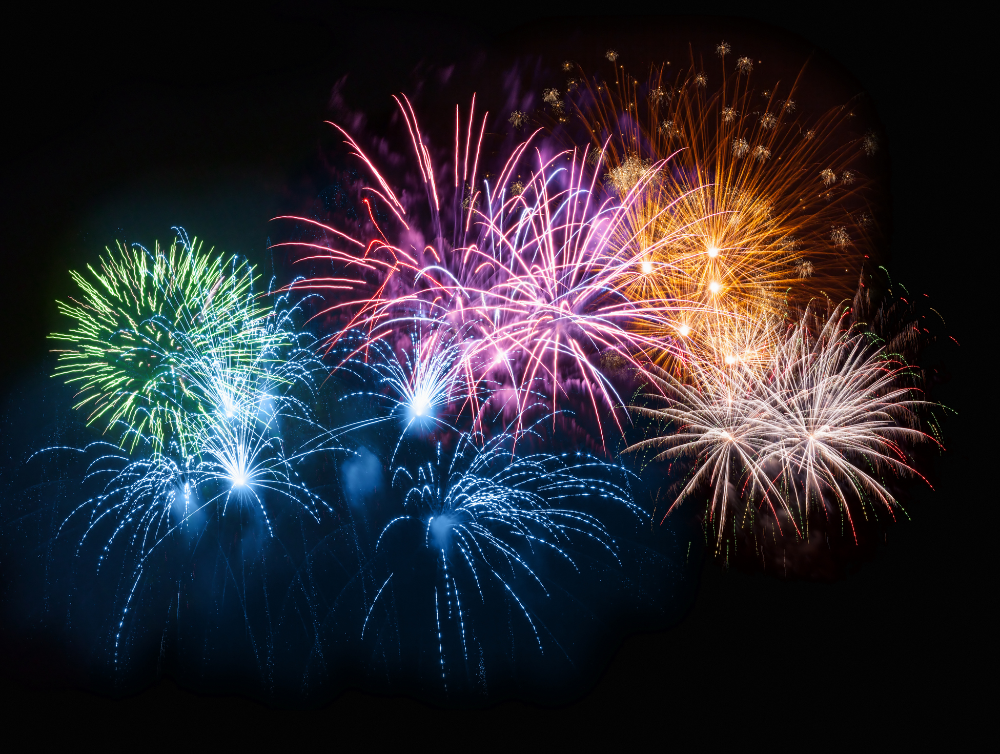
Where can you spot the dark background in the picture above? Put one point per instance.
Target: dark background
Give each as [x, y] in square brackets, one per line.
[123, 123]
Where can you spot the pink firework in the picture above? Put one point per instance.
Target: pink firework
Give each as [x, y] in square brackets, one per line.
[535, 277]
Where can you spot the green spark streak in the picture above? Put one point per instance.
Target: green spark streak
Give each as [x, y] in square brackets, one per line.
[161, 339]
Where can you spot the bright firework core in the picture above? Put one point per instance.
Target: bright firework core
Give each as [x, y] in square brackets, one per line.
[419, 405]
[647, 267]
[713, 252]
[714, 286]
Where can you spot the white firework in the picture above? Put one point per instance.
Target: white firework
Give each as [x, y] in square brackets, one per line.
[840, 236]
[822, 426]
[839, 415]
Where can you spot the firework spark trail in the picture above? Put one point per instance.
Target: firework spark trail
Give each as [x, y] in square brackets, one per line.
[559, 295]
[239, 460]
[540, 286]
[239, 379]
[162, 338]
[838, 405]
[425, 379]
[799, 434]
[486, 516]
[236, 458]
[381, 295]
[243, 452]
[746, 231]
[720, 426]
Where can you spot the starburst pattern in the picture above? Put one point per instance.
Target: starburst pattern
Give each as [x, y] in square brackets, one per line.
[670, 130]
[840, 236]
[630, 172]
[817, 426]
[869, 144]
[161, 338]
[804, 268]
[482, 521]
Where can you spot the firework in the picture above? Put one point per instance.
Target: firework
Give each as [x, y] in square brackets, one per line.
[423, 372]
[160, 504]
[146, 499]
[161, 337]
[484, 316]
[869, 144]
[731, 191]
[518, 118]
[229, 392]
[478, 526]
[558, 297]
[830, 415]
[530, 279]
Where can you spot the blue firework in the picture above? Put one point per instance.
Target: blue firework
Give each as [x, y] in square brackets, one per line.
[481, 533]
[421, 370]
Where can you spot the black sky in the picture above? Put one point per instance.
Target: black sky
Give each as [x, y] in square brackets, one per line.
[127, 124]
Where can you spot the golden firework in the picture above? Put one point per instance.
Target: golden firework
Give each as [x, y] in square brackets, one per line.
[735, 207]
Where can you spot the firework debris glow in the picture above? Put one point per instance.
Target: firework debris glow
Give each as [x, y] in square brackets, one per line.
[430, 450]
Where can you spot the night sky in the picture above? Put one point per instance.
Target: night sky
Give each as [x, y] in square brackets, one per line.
[122, 126]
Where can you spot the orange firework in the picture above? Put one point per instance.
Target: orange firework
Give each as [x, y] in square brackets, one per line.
[740, 206]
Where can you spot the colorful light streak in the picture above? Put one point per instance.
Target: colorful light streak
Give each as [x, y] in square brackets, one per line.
[821, 426]
[489, 520]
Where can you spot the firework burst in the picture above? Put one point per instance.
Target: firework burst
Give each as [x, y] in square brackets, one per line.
[219, 421]
[741, 204]
[819, 428]
[530, 278]
[422, 371]
[481, 527]
[162, 337]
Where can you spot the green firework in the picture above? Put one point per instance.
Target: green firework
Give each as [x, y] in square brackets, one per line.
[161, 339]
